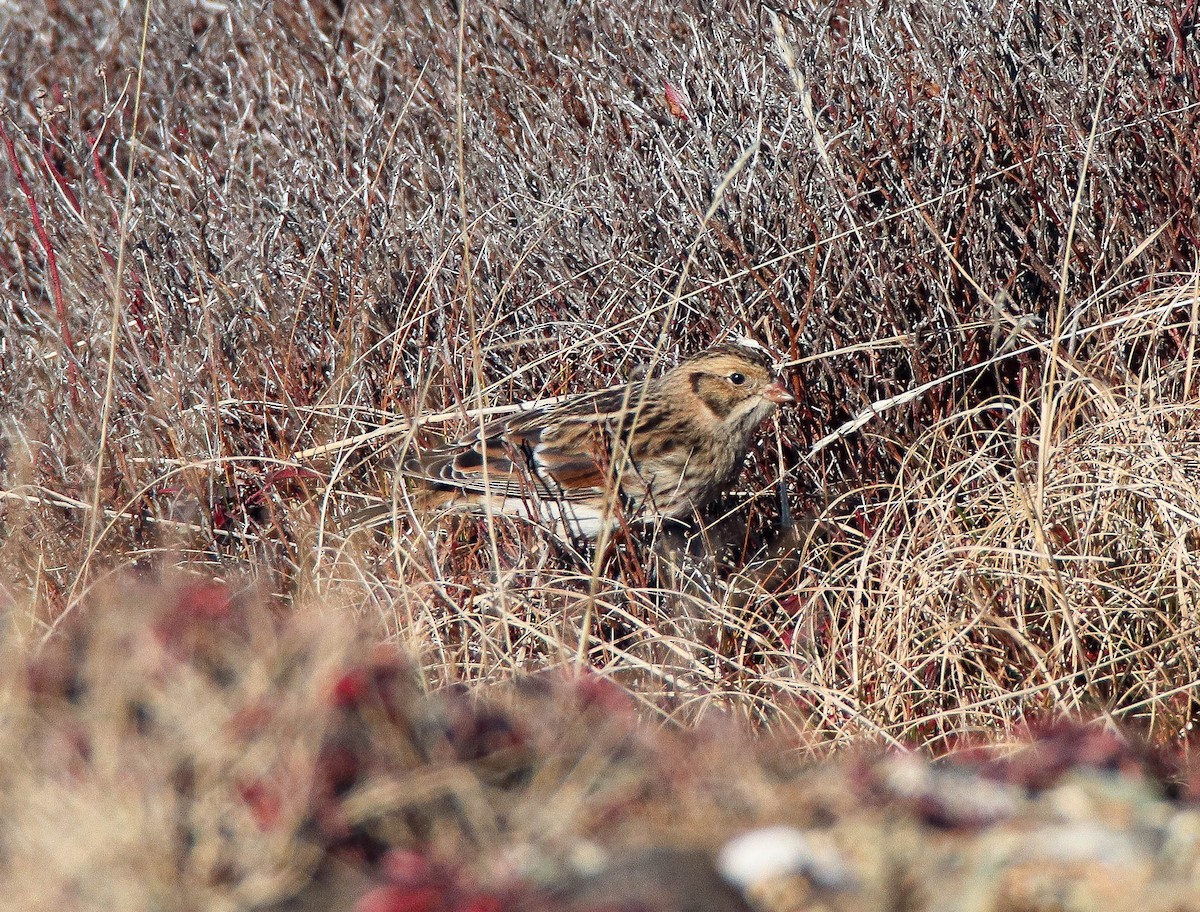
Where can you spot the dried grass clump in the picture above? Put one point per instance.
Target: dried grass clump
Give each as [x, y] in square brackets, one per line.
[1036, 555]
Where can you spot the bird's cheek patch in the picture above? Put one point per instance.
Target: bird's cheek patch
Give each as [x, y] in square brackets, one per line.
[713, 394]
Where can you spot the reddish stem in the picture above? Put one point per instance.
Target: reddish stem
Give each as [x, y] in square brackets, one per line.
[58, 178]
[51, 264]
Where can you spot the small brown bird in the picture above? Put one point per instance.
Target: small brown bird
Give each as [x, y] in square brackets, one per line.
[656, 448]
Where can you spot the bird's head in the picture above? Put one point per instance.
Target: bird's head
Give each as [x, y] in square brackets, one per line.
[732, 383]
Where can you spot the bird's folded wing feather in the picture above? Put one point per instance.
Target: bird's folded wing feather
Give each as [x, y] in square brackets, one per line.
[559, 451]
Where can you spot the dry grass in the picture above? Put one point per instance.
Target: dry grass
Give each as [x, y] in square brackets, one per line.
[342, 228]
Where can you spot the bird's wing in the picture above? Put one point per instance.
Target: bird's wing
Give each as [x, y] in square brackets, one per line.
[579, 440]
[559, 451]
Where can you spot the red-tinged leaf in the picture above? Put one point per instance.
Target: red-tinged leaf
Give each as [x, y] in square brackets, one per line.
[1059, 533]
[205, 601]
[280, 475]
[399, 899]
[404, 866]
[350, 689]
[337, 769]
[290, 472]
[596, 690]
[251, 720]
[264, 803]
[675, 102]
[483, 903]
[791, 605]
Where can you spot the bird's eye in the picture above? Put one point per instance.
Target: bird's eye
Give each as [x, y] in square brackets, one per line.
[737, 378]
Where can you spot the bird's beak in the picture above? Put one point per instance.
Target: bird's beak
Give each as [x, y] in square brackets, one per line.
[777, 394]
